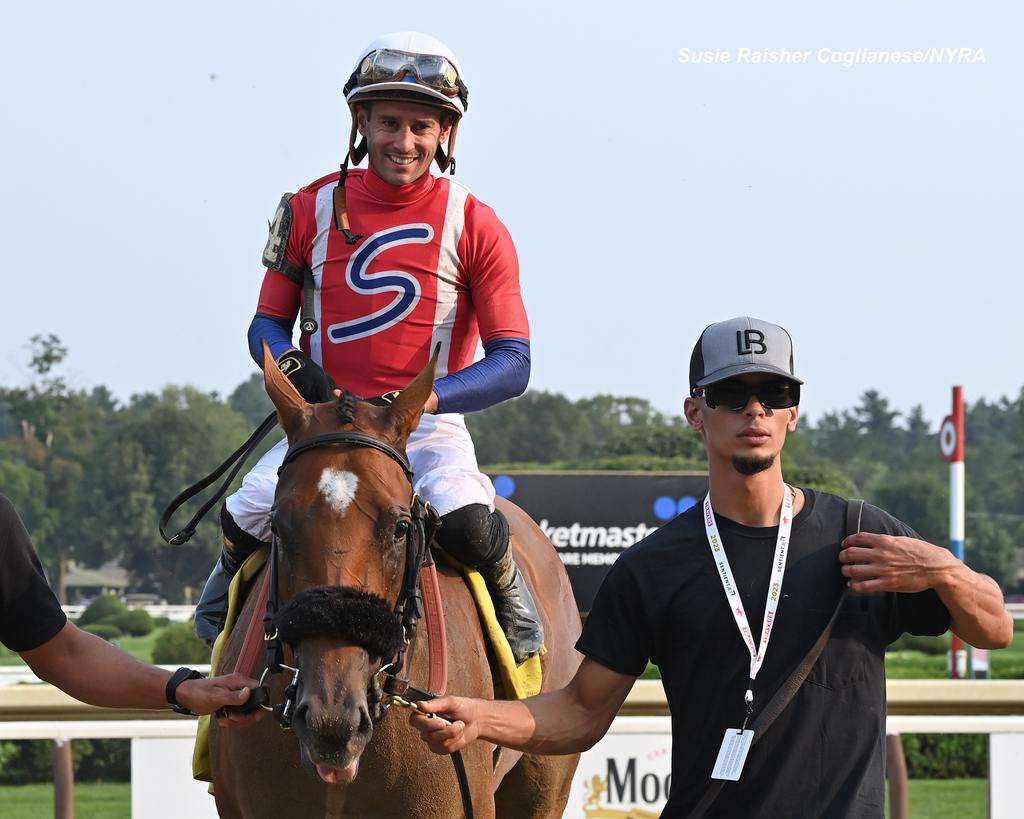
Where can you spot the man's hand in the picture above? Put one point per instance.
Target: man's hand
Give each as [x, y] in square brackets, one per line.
[887, 563]
[308, 377]
[891, 563]
[441, 737]
[204, 696]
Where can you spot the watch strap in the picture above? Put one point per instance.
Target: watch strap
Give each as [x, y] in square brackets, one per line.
[171, 689]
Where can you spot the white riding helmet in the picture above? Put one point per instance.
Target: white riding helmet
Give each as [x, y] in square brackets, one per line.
[410, 66]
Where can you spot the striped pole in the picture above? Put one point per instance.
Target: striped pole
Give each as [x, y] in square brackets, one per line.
[951, 447]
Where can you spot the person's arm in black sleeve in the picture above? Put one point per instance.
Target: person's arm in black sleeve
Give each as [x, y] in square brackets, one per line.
[88, 668]
[909, 565]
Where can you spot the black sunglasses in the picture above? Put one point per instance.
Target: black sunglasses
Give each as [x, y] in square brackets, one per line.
[735, 395]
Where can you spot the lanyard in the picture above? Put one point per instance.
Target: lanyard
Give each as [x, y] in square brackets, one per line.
[757, 652]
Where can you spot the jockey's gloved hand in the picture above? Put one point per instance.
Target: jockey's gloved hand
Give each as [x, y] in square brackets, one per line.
[307, 376]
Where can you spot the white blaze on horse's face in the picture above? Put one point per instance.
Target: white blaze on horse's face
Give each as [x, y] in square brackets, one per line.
[338, 488]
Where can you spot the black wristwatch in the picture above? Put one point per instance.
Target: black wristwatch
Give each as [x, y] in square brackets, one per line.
[171, 689]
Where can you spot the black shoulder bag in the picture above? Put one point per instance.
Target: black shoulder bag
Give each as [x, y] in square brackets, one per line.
[781, 698]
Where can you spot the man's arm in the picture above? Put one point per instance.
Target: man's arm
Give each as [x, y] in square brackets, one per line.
[890, 563]
[566, 721]
[94, 671]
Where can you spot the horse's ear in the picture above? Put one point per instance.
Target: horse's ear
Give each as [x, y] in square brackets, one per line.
[292, 408]
[404, 413]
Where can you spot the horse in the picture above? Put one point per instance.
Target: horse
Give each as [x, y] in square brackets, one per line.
[345, 756]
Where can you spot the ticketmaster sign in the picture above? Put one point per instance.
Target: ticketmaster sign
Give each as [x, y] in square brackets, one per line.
[590, 517]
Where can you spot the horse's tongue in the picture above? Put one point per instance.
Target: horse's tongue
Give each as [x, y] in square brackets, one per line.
[333, 775]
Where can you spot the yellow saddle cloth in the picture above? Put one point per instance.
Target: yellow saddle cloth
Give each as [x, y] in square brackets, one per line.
[515, 682]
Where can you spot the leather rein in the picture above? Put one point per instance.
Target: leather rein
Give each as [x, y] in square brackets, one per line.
[386, 688]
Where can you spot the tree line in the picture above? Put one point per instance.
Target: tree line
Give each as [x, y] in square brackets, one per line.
[91, 476]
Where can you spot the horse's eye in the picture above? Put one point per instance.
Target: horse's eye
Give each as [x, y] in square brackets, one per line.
[401, 529]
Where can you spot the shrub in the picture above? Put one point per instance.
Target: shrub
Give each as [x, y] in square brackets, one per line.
[946, 756]
[108, 631]
[109, 760]
[922, 643]
[178, 644]
[135, 622]
[161, 621]
[26, 761]
[106, 605]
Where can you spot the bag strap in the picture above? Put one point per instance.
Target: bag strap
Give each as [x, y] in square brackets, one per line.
[785, 693]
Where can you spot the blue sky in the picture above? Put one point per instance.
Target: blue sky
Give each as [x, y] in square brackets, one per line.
[873, 210]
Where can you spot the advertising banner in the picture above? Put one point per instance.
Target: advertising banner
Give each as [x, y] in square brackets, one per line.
[591, 517]
[627, 774]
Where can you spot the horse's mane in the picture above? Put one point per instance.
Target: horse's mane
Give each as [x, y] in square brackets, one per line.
[346, 407]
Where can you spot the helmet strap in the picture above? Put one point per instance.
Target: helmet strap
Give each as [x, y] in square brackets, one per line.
[341, 207]
[356, 152]
[446, 160]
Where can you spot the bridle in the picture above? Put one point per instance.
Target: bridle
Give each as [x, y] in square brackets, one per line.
[385, 687]
[407, 609]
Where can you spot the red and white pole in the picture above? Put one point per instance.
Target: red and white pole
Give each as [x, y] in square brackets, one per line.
[951, 447]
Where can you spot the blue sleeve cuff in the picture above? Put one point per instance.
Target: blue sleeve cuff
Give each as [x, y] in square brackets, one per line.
[502, 373]
[277, 332]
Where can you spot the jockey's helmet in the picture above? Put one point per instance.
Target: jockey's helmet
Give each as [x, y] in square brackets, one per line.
[412, 67]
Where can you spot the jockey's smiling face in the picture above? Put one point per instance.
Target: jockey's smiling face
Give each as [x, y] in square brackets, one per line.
[401, 138]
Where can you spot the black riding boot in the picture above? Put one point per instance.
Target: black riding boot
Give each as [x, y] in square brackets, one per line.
[480, 538]
[212, 608]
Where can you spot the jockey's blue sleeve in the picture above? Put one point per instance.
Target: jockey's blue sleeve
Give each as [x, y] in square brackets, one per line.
[277, 332]
[502, 373]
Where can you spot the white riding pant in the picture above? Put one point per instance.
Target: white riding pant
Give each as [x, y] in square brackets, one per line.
[443, 459]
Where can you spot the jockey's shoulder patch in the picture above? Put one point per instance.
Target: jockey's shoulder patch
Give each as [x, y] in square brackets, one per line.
[277, 242]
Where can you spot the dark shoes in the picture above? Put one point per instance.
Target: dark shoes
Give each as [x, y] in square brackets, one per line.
[515, 607]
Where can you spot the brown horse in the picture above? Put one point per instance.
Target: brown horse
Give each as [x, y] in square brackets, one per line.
[337, 761]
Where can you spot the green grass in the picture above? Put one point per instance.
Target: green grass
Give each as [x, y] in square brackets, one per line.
[931, 798]
[948, 798]
[140, 647]
[92, 801]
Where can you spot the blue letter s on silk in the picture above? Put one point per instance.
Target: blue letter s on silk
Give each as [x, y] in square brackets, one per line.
[403, 285]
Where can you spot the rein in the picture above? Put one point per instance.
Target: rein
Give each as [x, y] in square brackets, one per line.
[386, 687]
[235, 460]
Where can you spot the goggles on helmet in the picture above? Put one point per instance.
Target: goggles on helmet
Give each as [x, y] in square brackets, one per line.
[390, 65]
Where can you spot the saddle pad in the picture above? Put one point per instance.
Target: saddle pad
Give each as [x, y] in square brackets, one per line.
[517, 682]
[236, 597]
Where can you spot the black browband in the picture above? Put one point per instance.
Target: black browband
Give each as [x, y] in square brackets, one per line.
[358, 438]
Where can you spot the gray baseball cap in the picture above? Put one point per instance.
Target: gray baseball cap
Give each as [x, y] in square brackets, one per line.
[741, 345]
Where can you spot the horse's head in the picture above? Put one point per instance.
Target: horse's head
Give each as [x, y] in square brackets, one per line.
[342, 521]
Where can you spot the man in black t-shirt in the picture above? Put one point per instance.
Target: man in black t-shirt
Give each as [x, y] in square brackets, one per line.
[81, 664]
[728, 599]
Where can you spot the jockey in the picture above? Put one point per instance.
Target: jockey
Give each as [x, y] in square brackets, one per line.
[396, 262]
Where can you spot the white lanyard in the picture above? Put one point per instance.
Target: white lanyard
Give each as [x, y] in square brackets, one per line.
[757, 653]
